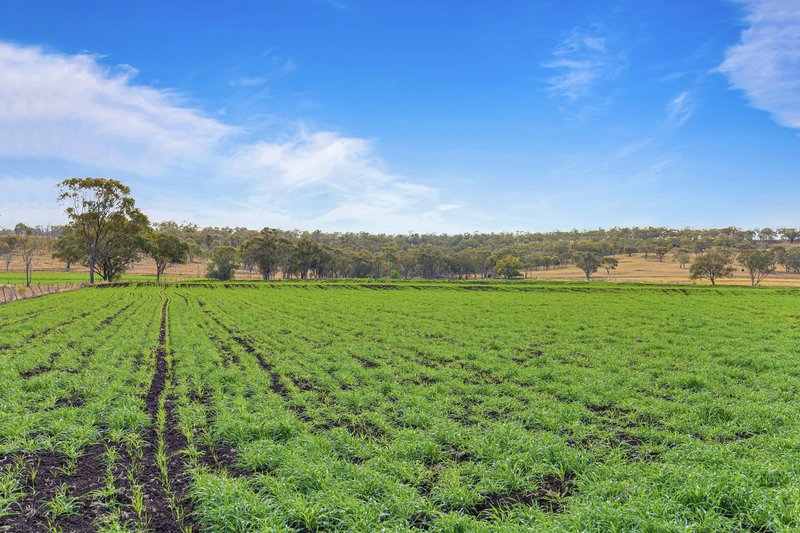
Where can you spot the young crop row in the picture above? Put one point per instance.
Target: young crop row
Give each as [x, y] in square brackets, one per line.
[346, 407]
[75, 448]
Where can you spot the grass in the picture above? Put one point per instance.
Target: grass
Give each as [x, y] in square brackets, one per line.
[51, 278]
[403, 406]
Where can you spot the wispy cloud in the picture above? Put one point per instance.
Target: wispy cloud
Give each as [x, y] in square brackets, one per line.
[271, 64]
[766, 62]
[247, 81]
[679, 110]
[581, 62]
[69, 107]
[70, 112]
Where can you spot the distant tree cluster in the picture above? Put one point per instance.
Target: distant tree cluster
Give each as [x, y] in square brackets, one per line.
[107, 233]
[299, 254]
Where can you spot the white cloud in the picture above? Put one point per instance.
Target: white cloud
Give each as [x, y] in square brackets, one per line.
[308, 158]
[766, 62]
[68, 111]
[582, 61]
[680, 109]
[247, 82]
[70, 108]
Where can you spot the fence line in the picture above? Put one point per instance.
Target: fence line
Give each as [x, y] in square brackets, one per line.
[12, 293]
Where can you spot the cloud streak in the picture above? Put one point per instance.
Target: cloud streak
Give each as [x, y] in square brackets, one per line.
[581, 62]
[679, 110]
[765, 64]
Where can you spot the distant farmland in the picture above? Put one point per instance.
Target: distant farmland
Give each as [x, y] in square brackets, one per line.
[367, 406]
[635, 268]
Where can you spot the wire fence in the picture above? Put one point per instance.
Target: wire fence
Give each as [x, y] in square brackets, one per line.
[12, 293]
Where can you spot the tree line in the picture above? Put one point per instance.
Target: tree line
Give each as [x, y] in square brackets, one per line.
[107, 233]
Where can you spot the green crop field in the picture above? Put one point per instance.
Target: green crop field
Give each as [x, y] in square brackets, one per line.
[400, 407]
[48, 278]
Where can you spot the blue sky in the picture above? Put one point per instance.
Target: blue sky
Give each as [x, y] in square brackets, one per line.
[400, 116]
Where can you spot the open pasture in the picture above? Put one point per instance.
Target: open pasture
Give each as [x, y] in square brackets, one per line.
[401, 407]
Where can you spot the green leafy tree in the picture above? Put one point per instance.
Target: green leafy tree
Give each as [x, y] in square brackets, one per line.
[791, 260]
[660, 252]
[428, 258]
[758, 263]
[22, 229]
[646, 248]
[712, 265]
[166, 250]
[609, 263]
[789, 233]
[682, 258]
[766, 234]
[268, 250]
[102, 212]
[304, 256]
[224, 262]
[780, 253]
[589, 262]
[508, 267]
[122, 246]
[69, 247]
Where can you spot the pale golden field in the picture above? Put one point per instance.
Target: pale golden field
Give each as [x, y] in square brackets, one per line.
[638, 269]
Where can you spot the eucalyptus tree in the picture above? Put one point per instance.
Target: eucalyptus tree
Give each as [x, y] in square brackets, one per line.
[660, 251]
[166, 250]
[26, 246]
[712, 265]
[69, 247]
[508, 267]
[791, 260]
[682, 258]
[609, 263]
[587, 261]
[7, 248]
[789, 233]
[758, 263]
[105, 219]
[224, 262]
[267, 250]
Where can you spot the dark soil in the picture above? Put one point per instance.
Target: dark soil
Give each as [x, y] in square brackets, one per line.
[548, 496]
[366, 363]
[32, 510]
[738, 437]
[157, 502]
[35, 372]
[607, 410]
[220, 456]
[241, 341]
[110, 319]
[365, 429]
[277, 386]
[88, 478]
[421, 520]
[73, 401]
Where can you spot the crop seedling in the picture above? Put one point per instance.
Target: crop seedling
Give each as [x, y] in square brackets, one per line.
[333, 405]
